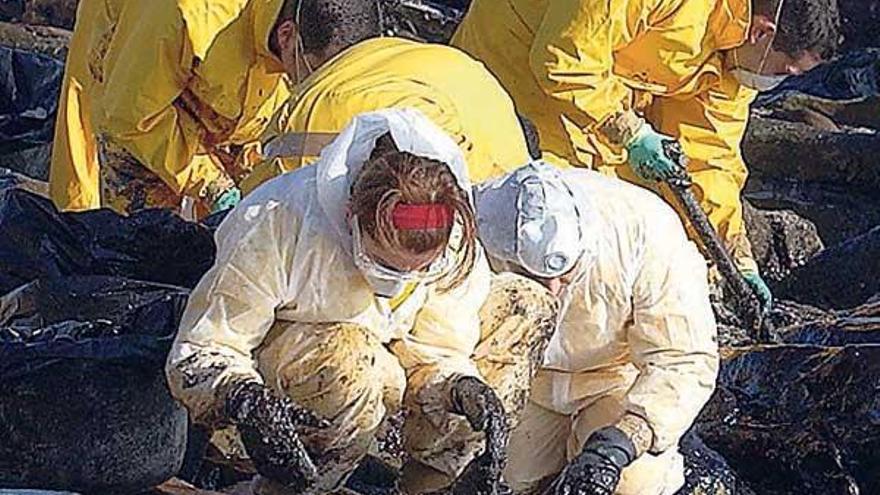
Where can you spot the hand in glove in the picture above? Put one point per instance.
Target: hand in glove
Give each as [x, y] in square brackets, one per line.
[760, 287]
[477, 402]
[227, 200]
[596, 470]
[649, 158]
[268, 427]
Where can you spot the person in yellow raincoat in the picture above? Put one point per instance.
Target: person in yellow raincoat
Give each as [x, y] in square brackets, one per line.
[608, 82]
[456, 92]
[160, 96]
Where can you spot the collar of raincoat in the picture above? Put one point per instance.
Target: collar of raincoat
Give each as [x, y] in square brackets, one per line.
[204, 20]
[341, 160]
[730, 22]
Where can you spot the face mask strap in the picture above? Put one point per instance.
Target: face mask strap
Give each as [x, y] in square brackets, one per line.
[299, 46]
[776, 17]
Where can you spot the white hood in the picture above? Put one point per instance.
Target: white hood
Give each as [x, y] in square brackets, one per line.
[342, 159]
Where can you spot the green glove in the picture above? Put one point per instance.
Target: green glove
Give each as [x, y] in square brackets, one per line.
[648, 158]
[227, 200]
[757, 284]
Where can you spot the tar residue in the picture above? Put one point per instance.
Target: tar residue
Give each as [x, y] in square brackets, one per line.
[476, 401]
[269, 430]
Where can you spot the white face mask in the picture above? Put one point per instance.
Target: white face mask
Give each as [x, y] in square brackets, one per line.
[757, 81]
[385, 281]
[382, 286]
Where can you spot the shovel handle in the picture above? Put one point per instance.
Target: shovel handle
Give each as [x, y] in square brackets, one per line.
[746, 301]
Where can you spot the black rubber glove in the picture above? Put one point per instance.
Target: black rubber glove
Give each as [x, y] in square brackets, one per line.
[596, 471]
[477, 402]
[268, 426]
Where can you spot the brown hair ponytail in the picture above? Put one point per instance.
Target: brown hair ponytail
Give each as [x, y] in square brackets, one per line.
[391, 178]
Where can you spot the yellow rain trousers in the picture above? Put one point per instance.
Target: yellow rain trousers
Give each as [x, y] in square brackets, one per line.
[286, 305]
[163, 84]
[457, 93]
[638, 338]
[570, 65]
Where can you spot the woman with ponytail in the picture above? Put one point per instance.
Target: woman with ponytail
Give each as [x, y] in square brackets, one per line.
[347, 290]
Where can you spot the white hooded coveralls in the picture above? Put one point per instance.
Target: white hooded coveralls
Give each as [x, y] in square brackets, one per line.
[638, 337]
[285, 305]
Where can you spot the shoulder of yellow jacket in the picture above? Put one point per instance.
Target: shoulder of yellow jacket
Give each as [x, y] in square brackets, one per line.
[205, 19]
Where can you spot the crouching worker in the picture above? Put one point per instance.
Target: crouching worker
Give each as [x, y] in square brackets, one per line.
[345, 290]
[635, 356]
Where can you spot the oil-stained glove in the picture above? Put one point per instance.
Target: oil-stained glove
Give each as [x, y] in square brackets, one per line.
[596, 470]
[765, 296]
[477, 402]
[649, 158]
[268, 426]
[227, 200]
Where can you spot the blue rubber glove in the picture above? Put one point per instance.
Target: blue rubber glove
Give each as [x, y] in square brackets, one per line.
[227, 200]
[760, 287]
[648, 157]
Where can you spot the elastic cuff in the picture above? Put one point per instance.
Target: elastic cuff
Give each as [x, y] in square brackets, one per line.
[215, 189]
[639, 432]
[741, 249]
[620, 128]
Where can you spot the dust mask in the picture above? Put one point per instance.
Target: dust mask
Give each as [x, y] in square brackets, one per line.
[388, 282]
[757, 81]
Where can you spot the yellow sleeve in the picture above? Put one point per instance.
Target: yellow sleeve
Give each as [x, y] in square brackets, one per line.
[442, 342]
[710, 127]
[146, 68]
[232, 308]
[572, 58]
[673, 336]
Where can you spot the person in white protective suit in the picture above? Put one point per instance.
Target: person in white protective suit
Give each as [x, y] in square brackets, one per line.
[635, 356]
[345, 290]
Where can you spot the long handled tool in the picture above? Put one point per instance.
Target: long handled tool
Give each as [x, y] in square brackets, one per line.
[746, 302]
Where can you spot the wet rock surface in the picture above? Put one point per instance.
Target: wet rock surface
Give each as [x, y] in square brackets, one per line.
[84, 404]
[830, 178]
[706, 472]
[66, 430]
[845, 275]
[433, 21]
[45, 40]
[781, 240]
[859, 19]
[799, 418]
[58, 13]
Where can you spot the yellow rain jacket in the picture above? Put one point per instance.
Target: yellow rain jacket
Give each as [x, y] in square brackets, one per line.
[166, 80]
[571, 64]
[457, 93]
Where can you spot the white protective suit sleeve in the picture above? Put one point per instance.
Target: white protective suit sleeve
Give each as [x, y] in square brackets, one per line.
[442, 342]
[673, 340]
[232, 308]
